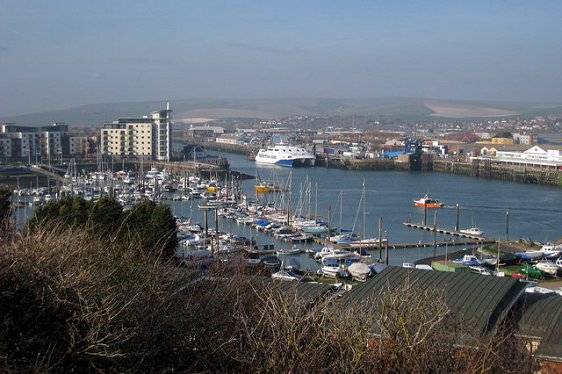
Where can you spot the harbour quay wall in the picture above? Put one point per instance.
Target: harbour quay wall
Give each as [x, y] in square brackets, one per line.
[402, 163]
[230, 148]
[487, 169]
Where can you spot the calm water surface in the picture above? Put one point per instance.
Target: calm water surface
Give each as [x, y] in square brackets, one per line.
[534, 211]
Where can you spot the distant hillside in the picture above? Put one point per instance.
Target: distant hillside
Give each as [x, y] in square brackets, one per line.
[94, 115]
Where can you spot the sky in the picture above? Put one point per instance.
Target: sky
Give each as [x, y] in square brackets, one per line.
[61, 54]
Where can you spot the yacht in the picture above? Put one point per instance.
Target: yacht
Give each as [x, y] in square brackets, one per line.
[285, 155]
[473, 231]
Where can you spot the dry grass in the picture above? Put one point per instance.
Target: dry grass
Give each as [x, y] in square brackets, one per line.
[71, 302]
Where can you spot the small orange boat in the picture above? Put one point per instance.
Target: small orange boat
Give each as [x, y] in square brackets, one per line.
[427, 202]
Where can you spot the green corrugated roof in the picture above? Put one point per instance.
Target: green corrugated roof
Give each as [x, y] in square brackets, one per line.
[541, 318]
[484, 300]
[306, 291]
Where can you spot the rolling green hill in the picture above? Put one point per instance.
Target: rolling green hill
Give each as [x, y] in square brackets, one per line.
[406, 109]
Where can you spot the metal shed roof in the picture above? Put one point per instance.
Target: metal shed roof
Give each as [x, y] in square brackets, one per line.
[540, 317]
[306, 291]
[484, 300]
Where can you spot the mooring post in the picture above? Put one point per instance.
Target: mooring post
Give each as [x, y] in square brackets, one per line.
[380, 237]
[457, 224]
[329, 222]
[507, 225]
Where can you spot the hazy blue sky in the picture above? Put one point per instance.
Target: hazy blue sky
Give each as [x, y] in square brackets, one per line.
[58, 54]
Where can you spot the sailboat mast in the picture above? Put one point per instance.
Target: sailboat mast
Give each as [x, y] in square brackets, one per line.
[316, 202]
[364, 213]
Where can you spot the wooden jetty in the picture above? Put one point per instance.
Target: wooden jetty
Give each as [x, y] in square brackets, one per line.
[444, 231]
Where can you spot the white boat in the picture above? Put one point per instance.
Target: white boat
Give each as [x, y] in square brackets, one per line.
[533, 254]
[332, 253]
[479, 270]
[359, 271]
[473, 231]
[365, 243]
[289, 251]
[548, 267]
[551, 250]
[285, 155]
[424, 267]
[427, 202]
[333, 269]
[559, 263]
[285, 275]
[343, 238]
[196, 258]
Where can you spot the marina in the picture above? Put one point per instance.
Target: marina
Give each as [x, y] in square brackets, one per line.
[296, 215]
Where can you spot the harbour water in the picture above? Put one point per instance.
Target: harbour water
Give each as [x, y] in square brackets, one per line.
[534, 210]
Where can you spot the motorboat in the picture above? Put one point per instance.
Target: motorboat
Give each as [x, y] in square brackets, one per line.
[427, 202]
[479, 270]
[547, 267]
[334, 269]
[365, 243]
[551, 250]
[285, 275]
[262, 187]
[332, 252]
[469, 260]
[196, 258]
[344, 238]
[285, 155]
[359, 271]
[532, 254]
[473, 231]
[289, 251]
[424, 267]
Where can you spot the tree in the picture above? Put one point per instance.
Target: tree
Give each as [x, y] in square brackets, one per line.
[505, 134]
[67, 211]
[5, 204]
[153, 225]
[105, 216]
[164, 229]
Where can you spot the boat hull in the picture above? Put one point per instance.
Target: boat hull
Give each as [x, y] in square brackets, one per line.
[428, 205]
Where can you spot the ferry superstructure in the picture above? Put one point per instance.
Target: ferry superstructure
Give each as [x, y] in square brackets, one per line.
[285, 155]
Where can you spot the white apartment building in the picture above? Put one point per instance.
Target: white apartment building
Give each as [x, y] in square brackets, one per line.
[31, 142]
[147, 136]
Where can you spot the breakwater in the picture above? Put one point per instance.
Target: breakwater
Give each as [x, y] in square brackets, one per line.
[487, 169]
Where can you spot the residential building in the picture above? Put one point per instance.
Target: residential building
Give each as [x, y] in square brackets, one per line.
[78, 145]
[29, 142]
[528, 139]
[147, 136]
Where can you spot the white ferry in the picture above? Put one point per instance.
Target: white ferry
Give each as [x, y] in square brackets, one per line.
[285, 155]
